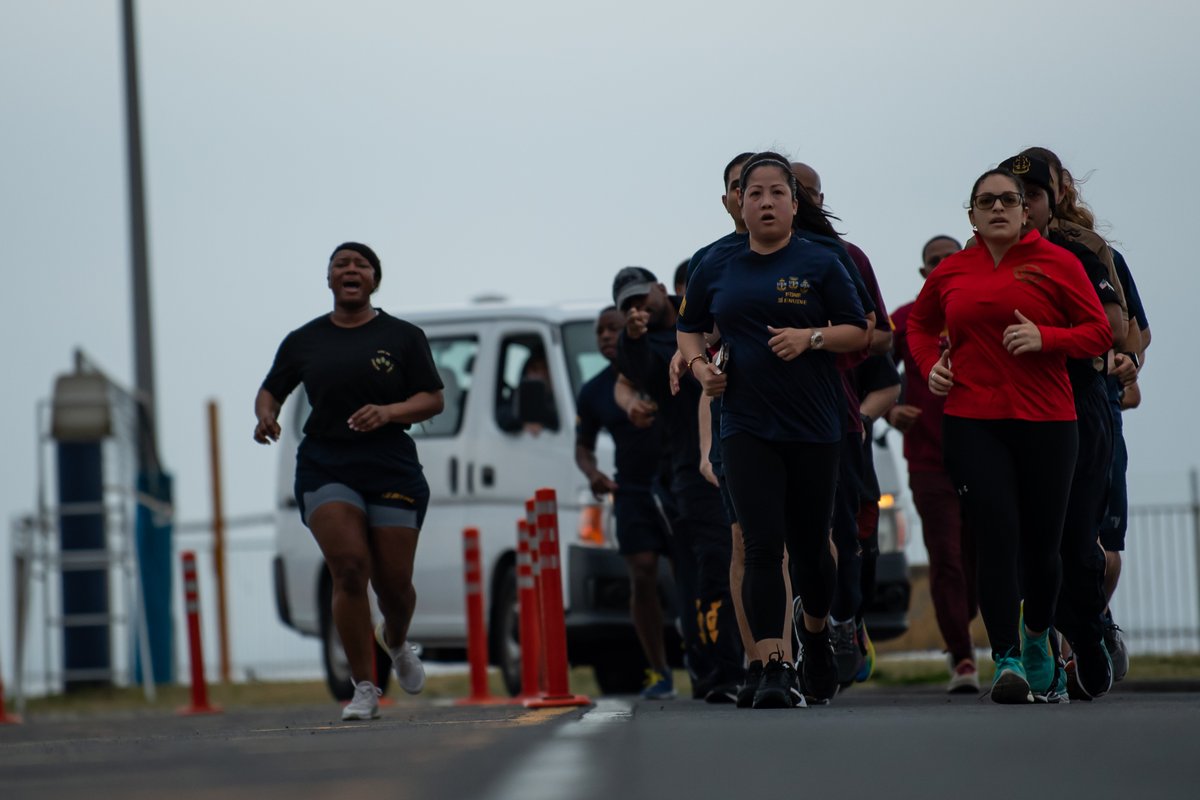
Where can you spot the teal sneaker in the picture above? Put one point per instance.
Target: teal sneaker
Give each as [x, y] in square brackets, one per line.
[658, 686]
[1010, 686]
[1057, 693]
[1038, 661]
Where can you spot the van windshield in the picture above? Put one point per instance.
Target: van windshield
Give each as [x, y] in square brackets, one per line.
[584, 361]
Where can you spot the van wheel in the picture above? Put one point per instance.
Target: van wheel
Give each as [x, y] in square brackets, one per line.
[505, 644]
[620, 673]
[333, 657]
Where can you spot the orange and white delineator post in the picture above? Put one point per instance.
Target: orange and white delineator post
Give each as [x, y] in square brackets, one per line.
[558, 692]
[191, 598]
[530, 622]
[535, 561]
[477, 649]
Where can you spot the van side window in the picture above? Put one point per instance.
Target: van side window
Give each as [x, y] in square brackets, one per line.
[454, 357]
[524, 397]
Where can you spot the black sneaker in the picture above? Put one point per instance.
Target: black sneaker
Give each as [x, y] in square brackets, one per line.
[723, 692]
[778, 687]
[818, 666]
[746, 692]
[1093, 669]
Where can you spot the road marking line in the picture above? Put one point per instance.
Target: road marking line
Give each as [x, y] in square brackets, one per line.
[527, 718]
[562, 768]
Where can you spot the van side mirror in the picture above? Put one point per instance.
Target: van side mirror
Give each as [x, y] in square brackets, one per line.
[535, 404]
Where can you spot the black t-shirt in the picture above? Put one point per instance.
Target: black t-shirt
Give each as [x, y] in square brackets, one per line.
[1082, 371]
[645, 361]
[387, 360]
[637, 448]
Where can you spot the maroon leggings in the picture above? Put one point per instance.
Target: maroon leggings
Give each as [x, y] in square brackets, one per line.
[951, 559]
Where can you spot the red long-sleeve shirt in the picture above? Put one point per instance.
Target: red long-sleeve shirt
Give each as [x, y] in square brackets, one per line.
[974, 301]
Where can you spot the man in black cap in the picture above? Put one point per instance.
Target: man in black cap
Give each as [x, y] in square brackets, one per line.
[644, 353]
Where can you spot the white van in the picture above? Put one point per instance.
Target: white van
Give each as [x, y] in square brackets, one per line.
[482, 465]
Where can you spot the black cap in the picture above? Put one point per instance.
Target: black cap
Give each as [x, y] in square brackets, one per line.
[1031, 169]
[632, 282]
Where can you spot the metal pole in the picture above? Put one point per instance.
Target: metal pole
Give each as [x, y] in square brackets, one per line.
[218, 527]
[143, 346]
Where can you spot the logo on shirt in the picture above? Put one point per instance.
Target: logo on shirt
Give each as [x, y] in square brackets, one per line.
[382, 362]
[1029, 273]
[792, 290]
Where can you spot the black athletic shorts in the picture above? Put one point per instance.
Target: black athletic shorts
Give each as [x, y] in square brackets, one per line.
[641, 525]
[391, 492]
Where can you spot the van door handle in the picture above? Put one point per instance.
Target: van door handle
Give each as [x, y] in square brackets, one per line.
[487, 476]
[453, 475]
[470, 478]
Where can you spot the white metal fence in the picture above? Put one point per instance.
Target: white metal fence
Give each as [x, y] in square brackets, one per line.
[1157, 603]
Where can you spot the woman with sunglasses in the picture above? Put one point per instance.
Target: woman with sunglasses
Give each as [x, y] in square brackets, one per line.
[1015, 307]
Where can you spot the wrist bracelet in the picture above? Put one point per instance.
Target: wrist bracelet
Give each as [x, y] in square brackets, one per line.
[693, 359]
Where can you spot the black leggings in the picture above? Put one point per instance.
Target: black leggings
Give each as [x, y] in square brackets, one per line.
[783, 494]
[1013, 477]
[1081, 602]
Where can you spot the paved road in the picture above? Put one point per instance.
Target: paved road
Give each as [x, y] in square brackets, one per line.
[869, 743]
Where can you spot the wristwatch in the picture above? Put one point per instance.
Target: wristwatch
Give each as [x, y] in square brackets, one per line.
[816, 341]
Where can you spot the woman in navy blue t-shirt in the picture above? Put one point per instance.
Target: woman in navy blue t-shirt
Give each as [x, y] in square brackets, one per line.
[784, 306]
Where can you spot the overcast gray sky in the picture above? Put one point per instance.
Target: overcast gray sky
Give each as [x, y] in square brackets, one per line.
[532, 149]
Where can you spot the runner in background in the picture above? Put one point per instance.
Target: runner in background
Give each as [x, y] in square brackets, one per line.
[1123, 393]
[709, 413]
[644, 353]
[1080, 609]
[879, 384]
[850, 640]
[642, 535]
[951, 551]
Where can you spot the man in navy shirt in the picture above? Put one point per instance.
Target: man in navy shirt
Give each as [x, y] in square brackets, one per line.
[641, 526]
[645, 350]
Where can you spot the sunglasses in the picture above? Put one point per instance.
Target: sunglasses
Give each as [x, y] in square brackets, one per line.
[985, 201]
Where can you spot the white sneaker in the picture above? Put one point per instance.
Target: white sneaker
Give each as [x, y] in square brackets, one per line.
[365, 704]
[410, 672]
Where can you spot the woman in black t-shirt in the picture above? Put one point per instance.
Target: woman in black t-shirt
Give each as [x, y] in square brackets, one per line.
[359, 485]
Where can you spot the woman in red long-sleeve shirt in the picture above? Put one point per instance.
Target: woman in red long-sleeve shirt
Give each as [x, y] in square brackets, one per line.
[1014, 308]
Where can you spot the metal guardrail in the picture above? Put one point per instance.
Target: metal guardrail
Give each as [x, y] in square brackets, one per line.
[1157, 602]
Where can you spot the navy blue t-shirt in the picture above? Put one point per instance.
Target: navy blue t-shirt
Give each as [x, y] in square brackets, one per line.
[721, 245]
[1132, 298]
[802, 285]
[637, 448]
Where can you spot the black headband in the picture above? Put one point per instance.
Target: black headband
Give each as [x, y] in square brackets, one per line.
[366, 253]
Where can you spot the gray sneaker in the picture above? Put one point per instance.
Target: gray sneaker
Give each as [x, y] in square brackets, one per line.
[1114, 642]
[410, 672]
[365, 704]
